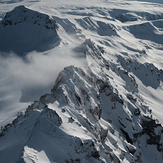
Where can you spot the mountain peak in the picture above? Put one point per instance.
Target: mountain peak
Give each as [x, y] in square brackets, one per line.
[23, 30]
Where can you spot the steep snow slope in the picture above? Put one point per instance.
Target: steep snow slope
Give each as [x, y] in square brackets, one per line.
[108, 109]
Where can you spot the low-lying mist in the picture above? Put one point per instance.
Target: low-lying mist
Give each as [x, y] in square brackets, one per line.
[23, 80]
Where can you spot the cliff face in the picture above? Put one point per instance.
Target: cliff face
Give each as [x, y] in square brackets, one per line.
[104, 111]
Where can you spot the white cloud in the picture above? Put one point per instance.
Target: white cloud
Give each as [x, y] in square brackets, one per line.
[25, 79]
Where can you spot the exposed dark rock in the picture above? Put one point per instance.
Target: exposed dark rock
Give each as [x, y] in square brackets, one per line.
[149, 126]
[130, 97]
[131, 150]
[103, 134]
[95, 154]
[116, 97]
[129, 140]
[78, 99]
[137, 111]
[121, 123]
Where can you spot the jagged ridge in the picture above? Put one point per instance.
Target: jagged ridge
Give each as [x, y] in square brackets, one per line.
[91, 104]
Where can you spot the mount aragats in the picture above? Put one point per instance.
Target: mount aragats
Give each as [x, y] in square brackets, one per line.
[81, 82]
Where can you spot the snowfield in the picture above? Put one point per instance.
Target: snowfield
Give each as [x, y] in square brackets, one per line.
[81, 81]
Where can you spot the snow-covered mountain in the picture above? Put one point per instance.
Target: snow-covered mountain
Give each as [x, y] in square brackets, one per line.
[105, 105]
[23, 30]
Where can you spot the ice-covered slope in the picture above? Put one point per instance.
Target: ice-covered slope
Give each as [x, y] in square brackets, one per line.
[110, 108]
